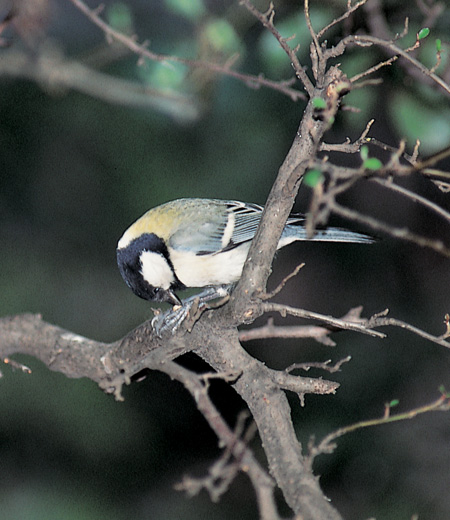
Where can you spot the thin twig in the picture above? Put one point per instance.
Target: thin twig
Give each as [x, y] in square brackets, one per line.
[313, 34]
[348, 12]
[377, 225]
[262, 482]
[373, 69]
[381, 321]
[348, 146]
[270, 330]
[327, 444]
[266, 20]
[281, 285]
[372, 40]
[413, 196]
[329, 320]
[325, 365]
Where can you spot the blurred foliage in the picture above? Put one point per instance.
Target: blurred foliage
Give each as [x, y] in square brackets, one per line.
[76, 171]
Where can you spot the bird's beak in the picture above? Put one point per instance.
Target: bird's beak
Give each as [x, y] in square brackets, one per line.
[170, 297]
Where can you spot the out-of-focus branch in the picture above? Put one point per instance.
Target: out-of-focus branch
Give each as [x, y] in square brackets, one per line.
[141, 50]
[57, 74]
[394, 231]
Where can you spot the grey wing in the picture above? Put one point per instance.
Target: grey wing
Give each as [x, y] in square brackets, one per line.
[223, 226]
[203, 227]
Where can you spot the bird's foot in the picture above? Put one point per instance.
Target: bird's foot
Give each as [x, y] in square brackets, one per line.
[192, 307]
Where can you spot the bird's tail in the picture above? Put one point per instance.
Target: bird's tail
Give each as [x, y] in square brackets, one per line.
[295, 230]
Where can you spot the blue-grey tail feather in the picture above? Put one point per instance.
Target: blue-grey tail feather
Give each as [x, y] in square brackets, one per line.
[297, 231]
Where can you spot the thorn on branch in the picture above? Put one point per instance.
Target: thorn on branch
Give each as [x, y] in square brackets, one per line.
[447, 326]
[16, 365]
[316, 364]
[228, 377]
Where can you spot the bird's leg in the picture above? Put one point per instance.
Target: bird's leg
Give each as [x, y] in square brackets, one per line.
[172, 319]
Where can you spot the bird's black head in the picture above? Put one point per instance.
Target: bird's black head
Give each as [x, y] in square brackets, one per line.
[130, 261]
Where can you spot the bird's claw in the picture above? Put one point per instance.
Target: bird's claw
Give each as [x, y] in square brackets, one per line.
[173, 319]
[192, 307]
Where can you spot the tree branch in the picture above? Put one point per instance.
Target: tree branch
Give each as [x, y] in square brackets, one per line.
[113, 365]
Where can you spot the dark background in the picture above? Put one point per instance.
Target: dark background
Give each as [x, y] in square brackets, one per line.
[75, 171]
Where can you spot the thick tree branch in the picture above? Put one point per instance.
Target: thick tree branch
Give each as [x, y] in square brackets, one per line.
[113, 365]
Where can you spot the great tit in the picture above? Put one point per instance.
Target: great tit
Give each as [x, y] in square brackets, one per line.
[200, 243]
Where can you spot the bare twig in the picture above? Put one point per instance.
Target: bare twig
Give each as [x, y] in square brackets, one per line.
[316, 50]
[328, 320]
[327, 444]
[382, 321]
[304, 385]
[321, 365]
[348, 146]
[319, 333]
[350, 10]
[386, 183]
[363, 40]
[223, 472]
[281, 285]
[362, 325]
[270, 330]
[373, 69]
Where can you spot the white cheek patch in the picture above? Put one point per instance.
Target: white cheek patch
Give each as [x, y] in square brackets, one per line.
[155, 270]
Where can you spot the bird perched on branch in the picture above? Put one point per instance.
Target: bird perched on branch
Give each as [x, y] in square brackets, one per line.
[199, 243]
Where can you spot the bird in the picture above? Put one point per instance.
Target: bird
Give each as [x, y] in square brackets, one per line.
[203, 243]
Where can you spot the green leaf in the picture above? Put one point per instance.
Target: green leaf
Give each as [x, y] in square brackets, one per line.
[120, 18]
[190, 9]
[444, 391]
[393, 403]
[416, 119]
[423, 33]
[312, 178]
[372, 164]
[222, 36]
[364, 152]
[438, 45]
[164, 75]
[319, 103]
